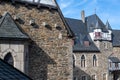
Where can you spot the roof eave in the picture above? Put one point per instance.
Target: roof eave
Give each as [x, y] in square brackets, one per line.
[71, 34]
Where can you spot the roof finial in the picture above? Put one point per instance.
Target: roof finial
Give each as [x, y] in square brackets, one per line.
[95, 10]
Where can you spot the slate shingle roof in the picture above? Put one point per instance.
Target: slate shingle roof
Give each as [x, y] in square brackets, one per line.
[114, 59]
[80, 31]
[9, 29]
[91, 23]
[116, 38]
[8, 72]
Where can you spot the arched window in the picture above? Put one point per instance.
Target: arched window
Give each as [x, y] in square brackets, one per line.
[104, 76]
[93, 77]
[94, 61]
[82, 61]
[9, 59]
[73, 61]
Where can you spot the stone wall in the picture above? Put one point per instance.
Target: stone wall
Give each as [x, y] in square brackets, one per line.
[49, 50]
[102, 62]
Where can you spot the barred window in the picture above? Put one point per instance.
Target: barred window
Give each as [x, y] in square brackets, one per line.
[83, 61]
[94, 60]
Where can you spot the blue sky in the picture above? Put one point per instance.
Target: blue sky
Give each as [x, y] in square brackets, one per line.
[105, 9]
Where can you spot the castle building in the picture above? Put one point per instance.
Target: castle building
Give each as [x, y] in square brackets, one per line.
[35, 39]
[38, 43]
[96, 49]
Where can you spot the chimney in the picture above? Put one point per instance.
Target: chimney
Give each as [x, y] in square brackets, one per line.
[83, 16]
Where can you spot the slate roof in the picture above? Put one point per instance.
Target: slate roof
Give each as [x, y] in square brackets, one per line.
[80, 31]
[114, 59]
[116, 38]
[108, 26]
[9, 29]
[91, 23]
[8, 72]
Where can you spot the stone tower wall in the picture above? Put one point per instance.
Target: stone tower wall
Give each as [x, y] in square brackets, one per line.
[50, 51]
[102, 62]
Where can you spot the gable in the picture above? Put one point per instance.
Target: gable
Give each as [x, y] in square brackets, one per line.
[9, 29]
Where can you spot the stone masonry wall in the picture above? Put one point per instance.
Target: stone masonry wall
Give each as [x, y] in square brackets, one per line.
[102, 62]
[49, 55]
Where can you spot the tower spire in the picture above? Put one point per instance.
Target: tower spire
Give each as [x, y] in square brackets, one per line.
[108, 25]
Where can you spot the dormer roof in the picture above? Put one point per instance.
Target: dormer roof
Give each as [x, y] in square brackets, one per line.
[9, 29]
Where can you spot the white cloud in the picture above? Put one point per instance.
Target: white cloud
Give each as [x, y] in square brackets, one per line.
[105, 9]
[65, 3]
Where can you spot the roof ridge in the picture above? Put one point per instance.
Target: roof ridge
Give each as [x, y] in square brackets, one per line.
[72, 18]
[91, 15]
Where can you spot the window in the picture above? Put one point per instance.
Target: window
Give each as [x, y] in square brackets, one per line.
[84, 78]
[106, 45]
[97, 35]
[94, 61]
[93, 77]
[75, 78]
[73, 61]
[83, 61]
[104, 76]
[86, 43]
[9, 59]
[116, 65]
[110, 64]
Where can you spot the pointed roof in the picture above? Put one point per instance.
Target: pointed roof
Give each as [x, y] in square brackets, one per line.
[97, 26]
[80, 31]
[92, 21]
[86, 38]
[8, 72]
[108, 26]
[9, 29]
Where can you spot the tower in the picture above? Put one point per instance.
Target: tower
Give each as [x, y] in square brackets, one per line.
[47, 55]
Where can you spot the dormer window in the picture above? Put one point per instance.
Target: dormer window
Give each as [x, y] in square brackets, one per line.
[97, 34]
[86, 43]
